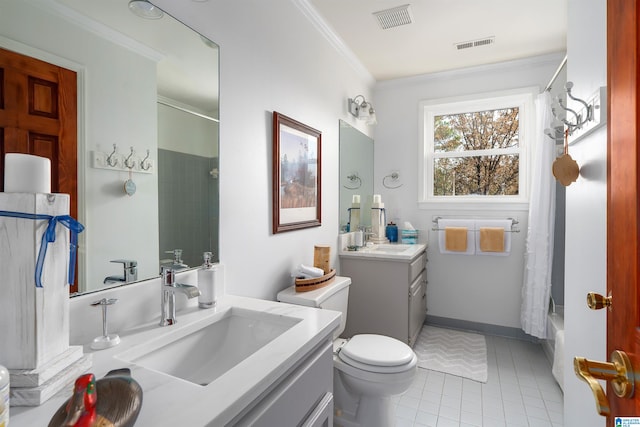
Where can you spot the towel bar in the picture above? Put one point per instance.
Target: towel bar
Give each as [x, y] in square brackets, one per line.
[514, 222]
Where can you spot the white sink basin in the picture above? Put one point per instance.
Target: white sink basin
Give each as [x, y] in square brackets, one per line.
[401, 251]
[202, 352]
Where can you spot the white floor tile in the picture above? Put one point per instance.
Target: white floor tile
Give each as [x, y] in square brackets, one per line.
[520, 392]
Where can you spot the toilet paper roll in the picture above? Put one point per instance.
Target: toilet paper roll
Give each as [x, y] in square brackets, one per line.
[25, 173]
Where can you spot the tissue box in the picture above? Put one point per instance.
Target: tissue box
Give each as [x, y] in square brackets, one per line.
[409, 237]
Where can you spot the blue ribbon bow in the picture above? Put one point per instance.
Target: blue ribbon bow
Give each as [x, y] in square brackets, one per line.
[49, 236]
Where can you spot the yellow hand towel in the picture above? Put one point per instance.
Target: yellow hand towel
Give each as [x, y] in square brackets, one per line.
[492, 239]
[455, 239]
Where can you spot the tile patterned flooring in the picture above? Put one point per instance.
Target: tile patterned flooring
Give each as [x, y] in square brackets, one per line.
[520, 392]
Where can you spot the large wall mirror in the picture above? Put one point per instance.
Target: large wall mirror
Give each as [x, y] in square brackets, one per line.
[147, 85]
[356, 173]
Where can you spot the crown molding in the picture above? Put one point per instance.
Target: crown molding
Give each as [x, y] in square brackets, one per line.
[97, 28]
[333, 38]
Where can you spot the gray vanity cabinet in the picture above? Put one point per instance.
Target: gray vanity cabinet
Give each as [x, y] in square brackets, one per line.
[387, 296]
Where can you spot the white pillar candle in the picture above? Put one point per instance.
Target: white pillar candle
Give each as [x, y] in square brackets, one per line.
[355, 198]
[377, 198]
[25, 173]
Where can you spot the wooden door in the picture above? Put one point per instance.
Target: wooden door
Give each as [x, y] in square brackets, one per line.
[623, 210]
[38, 116]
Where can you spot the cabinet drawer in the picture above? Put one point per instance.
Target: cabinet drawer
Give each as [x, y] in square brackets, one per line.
[417, 307]
[303, 396]
[417, 266]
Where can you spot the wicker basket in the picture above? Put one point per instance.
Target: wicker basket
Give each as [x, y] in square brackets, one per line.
[306, 285]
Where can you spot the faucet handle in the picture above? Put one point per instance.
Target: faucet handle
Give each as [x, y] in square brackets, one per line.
[126, 262]
[168, 275]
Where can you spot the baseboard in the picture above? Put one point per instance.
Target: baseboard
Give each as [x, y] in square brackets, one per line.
[483, 328]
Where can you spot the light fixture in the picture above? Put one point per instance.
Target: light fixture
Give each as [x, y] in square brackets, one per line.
[144, 9]
[363, 110]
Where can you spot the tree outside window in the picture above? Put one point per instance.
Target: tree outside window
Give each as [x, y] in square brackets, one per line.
[467, 134]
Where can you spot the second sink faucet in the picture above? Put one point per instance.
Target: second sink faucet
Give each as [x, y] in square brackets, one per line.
[168, 290]
[130, 273]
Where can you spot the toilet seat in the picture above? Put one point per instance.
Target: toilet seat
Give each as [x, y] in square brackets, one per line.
[377, 353]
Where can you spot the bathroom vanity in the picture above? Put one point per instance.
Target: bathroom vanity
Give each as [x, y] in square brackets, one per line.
[244, 362]
[388, 290]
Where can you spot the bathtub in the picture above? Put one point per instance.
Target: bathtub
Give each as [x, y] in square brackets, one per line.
[554, 344]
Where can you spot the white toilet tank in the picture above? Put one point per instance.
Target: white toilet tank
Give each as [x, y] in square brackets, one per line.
[334, 296]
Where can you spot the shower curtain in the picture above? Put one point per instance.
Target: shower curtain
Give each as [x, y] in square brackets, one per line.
[536, 288]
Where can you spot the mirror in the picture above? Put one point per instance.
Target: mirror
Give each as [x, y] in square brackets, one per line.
[142, 85]
[356, 173]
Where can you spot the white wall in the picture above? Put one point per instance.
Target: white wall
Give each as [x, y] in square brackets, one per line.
[120, 110]
[187, 133]
[585, 268]
[271, 59]
[472, 288]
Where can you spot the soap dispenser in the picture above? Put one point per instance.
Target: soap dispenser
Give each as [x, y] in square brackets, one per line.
[206, 282]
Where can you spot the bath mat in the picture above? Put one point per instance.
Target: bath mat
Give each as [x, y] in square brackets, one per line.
[463, 354]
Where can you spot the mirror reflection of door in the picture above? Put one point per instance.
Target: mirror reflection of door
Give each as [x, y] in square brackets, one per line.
[38, 116]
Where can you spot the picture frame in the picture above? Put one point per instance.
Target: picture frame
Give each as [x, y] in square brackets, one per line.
[297, 183]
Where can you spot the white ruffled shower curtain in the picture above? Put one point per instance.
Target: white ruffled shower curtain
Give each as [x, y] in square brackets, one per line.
[536, 289]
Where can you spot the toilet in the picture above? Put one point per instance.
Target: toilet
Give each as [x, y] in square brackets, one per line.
[368, 369]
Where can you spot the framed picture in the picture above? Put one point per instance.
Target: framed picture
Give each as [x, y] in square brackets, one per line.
[296, 174]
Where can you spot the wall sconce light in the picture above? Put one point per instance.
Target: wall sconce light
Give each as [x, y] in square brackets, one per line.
[144, 9]
[363, 110]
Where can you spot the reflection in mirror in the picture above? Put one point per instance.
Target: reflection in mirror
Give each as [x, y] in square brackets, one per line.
[356, 172]
[147, 84]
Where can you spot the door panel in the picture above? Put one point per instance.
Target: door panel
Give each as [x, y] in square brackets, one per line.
[38, 103]
[623, 212]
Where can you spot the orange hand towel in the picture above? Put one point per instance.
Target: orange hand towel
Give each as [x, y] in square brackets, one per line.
[492, 239]
[455, 239]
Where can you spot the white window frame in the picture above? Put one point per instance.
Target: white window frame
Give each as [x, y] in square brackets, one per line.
[429, 109]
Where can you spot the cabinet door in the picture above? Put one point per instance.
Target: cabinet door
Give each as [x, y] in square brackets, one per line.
[417, 307]
[322, 416]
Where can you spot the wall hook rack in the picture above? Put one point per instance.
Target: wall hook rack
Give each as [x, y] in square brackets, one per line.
[579, 119]
[394, 177]
[354, 179]
[118, 162]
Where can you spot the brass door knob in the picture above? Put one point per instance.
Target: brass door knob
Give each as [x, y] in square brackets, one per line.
[596, 301]
[619, 371]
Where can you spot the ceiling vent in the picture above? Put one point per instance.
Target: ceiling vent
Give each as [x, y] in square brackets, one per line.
[475, 43]
[394, 17]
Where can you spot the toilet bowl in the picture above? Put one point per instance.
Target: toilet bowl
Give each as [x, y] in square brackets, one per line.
[368, 369]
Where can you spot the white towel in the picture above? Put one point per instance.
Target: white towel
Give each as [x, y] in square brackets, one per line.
[471, 235]
[502, 223]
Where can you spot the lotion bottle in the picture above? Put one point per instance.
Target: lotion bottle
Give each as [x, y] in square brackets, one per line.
[354, 213]
[206, 282]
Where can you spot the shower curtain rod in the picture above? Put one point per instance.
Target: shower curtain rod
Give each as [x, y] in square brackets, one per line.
[555, 75]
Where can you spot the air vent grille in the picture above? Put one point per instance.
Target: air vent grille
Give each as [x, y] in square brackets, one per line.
[394, 17]
[475, 43]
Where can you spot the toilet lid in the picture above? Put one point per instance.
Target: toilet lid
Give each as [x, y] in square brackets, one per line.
[376, 353]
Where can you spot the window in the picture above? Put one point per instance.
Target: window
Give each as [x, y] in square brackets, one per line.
[476, 150]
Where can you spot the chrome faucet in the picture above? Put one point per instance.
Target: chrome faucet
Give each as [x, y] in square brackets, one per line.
[168, 289]
[130, 273]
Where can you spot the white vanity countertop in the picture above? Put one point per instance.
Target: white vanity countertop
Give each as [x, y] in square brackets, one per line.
[393, 251]
[169, 400]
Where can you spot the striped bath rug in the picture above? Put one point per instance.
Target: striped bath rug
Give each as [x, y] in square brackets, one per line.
[463, 354]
